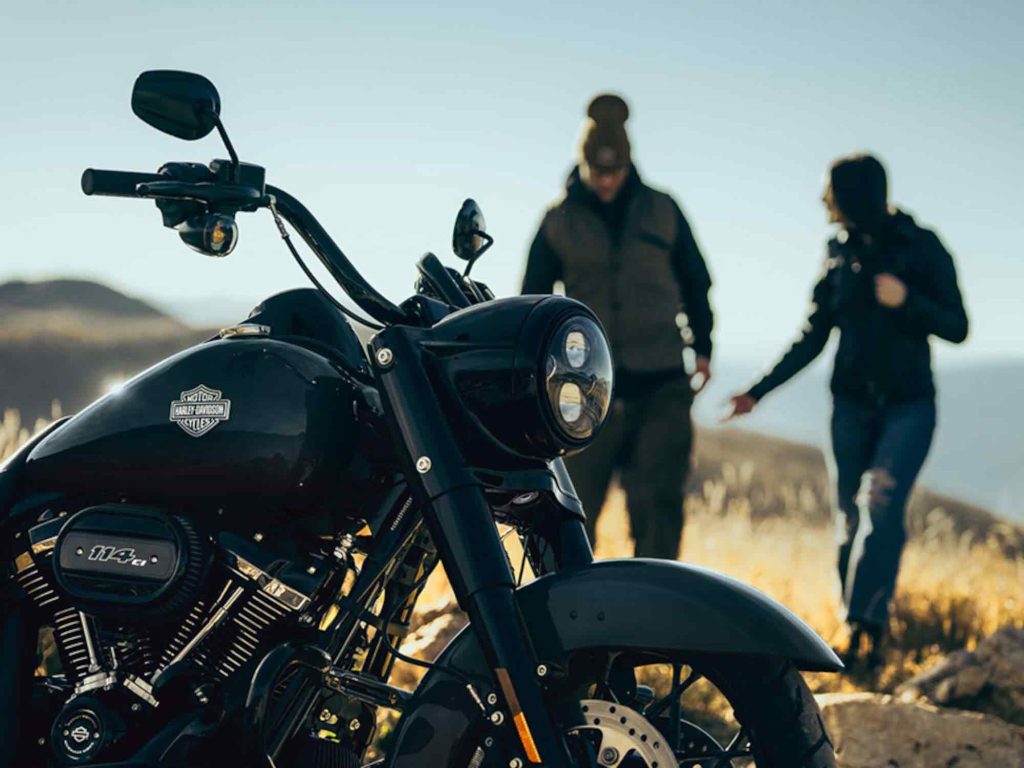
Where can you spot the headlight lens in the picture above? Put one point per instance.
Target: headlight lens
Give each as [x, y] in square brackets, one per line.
[578, 370]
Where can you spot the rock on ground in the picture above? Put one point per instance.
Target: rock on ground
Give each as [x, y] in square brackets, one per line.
[874, 731]
[989, 679]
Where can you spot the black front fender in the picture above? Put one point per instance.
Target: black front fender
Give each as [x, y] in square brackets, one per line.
[638, 603]
[660, 604]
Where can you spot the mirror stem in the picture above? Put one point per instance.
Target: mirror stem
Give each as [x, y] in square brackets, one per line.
[230, 147]
[488, 242]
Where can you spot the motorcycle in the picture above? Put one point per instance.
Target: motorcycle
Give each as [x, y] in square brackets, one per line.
[226, 553]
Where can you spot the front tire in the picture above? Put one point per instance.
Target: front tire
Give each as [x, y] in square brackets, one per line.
[771, 699]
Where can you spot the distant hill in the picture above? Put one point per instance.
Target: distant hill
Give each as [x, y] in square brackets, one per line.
[70, 340]
[978, 451]
[772, 477]
[76, 295]
[81, 311]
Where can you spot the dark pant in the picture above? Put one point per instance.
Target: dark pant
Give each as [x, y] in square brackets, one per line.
[647, 440]
[878, 450]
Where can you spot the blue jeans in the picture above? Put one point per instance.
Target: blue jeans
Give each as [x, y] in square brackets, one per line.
[878, 452]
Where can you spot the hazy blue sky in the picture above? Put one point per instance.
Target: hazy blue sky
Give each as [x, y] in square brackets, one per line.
[383, 117]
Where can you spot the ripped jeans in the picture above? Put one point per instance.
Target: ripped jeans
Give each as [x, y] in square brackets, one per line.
[878, 451]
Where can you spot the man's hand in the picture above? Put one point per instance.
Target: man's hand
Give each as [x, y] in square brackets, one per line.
[701, 374]
[741, 406]
[890, 290]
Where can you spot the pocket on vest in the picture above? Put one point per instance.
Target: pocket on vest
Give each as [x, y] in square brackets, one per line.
[655, 240]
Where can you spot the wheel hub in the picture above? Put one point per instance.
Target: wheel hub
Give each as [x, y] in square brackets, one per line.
[622, 737]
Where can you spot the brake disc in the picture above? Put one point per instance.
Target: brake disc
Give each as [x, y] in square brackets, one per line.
[624, 737]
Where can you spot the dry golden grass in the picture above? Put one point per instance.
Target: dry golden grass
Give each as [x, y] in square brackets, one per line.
[13, 433]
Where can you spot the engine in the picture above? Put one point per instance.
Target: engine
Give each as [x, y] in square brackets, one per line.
[148, 611]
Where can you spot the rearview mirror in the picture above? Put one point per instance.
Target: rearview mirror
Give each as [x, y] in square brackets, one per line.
[182, 104]
[470, 238]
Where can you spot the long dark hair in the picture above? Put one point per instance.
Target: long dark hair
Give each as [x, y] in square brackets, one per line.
[859, 191]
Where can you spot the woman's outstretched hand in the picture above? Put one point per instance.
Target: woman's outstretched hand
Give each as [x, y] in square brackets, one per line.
[739, 405]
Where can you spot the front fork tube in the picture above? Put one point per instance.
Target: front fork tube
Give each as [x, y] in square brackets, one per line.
[462, 526]
[475, 561]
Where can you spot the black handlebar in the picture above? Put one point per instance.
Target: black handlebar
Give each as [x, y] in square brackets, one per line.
[336, 262]
[116, 183]
[438, 277]
[154, 185]
[234, 195]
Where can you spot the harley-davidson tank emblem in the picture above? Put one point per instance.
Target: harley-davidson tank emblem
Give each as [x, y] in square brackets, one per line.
[200, 410]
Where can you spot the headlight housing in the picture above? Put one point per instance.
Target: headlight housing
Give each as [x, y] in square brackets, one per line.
[577, 378]
[529, 376]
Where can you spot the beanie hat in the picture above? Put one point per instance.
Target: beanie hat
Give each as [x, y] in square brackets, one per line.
[860, 190]
[604, 143]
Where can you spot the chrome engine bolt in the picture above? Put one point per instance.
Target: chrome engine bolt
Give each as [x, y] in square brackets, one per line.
[497, 717]
[384, 357]
[423, 464]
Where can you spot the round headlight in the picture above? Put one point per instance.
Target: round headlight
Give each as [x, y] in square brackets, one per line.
[578, 371]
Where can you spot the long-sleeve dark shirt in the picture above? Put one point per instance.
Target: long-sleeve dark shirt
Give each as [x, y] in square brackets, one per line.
[883, 352]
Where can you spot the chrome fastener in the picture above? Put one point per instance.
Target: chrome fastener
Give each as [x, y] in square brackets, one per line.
[423, 464]
[498, 717]
[385, 357]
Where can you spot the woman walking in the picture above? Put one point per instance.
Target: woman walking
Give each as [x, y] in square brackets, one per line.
[887, 285]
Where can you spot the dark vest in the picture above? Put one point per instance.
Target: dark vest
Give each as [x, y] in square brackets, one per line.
[630, 285]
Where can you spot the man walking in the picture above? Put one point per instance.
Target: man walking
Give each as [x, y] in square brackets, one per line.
[626, 250]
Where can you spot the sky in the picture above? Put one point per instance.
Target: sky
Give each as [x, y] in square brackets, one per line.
[383, 117]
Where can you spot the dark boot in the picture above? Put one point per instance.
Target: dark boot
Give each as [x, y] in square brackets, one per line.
[876, 638]
[851, 655]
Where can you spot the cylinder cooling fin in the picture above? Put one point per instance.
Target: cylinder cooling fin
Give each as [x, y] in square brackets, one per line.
[66, 621]
[149, 612]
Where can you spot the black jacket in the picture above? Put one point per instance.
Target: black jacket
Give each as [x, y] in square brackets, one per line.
[884, 354]
[545, 264]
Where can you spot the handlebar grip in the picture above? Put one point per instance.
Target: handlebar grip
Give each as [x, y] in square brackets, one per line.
[115, 183]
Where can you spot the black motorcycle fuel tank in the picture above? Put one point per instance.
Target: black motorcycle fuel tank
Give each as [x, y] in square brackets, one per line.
[242, 419]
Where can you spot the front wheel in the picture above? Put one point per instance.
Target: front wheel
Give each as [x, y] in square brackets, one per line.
[644, 709]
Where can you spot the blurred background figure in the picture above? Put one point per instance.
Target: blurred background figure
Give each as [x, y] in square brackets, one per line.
[887, 285]
[626, 251]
